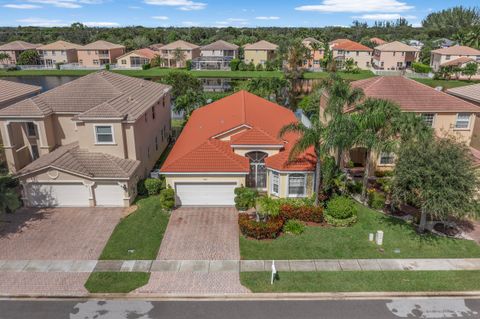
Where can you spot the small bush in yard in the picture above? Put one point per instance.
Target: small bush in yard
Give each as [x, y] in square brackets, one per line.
[167, 198]
[141, 189]
[294, 227]
[153, 186]
[376, 200]
[341, 212]
[245, 198]
[306, 213]
[260, 230]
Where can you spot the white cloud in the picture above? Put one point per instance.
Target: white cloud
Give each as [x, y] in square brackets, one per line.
[267, 18]
[160, 17]
[190, 23]
[357, 6]
[68, 4]
[21, 6]
[383, 16]
[101, 24]
[233, 22]
[185, 5]
[40, 22]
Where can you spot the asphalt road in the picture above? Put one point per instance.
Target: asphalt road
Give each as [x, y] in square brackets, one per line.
[331, 309]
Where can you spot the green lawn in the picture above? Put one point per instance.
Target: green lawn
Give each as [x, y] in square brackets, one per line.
[363, 74]
[363, 281]
[352, 242]
[446, 84]
[140, 233]
[116, 282]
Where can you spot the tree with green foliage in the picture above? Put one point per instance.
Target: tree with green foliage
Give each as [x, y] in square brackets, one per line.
[470, 69]
[310, 104]
[421, 68]
[272, 89]
[234, 64]
[157, 61]
[349, 66]
[28, 57]
[181, 82]
[437, 177]
[4, 58]
[179, 57]
[9, 199]
[189, 102]
[447, 22]
[310, 137]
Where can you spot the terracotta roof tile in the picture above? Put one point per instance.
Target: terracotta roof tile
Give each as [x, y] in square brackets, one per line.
[101, 45]
[457, 50]
[59, 45]
[12, 91]
[378, 41]
[220, 45]
[261, 45]
[18, 46]
[396, 46]
[180, 44]
[349, 45]
[255, 136]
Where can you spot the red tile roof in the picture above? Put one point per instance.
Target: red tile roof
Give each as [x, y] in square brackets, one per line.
[349, 45]
[378, 41]
[459, 61]
[199, 150]
[412, 96]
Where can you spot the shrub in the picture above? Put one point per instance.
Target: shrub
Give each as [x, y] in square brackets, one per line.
[259, 67]
[306, 213]
[269, 66]
[245, 198]
[341, 211]
[234, 64]
[146, 66]
[251, 67]
[242, 66]
[141, 189]
[260, 230]
[188, 64]
[153, 186]
[421, 68]
[107, 67]
[167, 198]
[294, 227]
[267, 206]
[354, 187]
[376, 200]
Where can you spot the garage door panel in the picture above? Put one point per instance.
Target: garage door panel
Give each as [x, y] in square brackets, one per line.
[57, 195]
[205, 194]
[109, 195]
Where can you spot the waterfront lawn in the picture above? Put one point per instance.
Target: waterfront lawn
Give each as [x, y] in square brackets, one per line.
[363, 281]
[446, 84]
[352, 242]
[362, 74]
[116, 282]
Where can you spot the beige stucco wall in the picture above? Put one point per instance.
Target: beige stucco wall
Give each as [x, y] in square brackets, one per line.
[13, 57]
[125, 61]
[219, 53]
[391, 58]
[58, 56]
[87, 136]
[258, 56]
[283, 187]
[444, 124]
[361, 58]
[438, 59]
[86, 57]
[169, 56]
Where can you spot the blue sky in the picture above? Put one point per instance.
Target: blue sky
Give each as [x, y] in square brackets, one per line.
[219, 13]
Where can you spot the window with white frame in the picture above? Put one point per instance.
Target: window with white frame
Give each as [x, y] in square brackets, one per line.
[275, 183]
[387, 158]
[428, 118]
[463, 120]
[297, 185]
[104, 134]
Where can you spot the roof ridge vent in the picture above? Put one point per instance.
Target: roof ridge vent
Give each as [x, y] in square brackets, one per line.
[130, 99]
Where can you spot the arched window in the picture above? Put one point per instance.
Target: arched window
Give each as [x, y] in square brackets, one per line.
[257, 178]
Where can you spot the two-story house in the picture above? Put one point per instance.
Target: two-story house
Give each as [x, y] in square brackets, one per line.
[259, 52]
[394, 56]
[316, 51]
[344, 49]
[58, 52]
[457, 55]
[215, 56]
[99, 53]
[87, 142]
[176, 54]
[14, 49]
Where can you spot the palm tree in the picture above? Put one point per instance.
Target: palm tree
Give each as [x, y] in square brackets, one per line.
[309, 137]
[4, 56]
[376, 120]
[157, 60]
[179, 56]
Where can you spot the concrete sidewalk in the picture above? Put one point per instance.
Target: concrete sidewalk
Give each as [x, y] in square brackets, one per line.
[235, 266]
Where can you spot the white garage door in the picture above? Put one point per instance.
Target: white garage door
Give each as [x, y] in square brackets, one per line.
[57, 195]
[109, 195]
[205, 194]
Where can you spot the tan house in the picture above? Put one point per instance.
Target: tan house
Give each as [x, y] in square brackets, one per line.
[377, 41]
[394, 56]
[99, 53]
[58, 52]
[456, 55]
[14, 49]
[215, 56]
[135, 59]
[469, 93]
[447, 114]
[259, 52]
[12, 92]
[344, 49]
[316, 52]
[233, 142]
[87, 142]
[176, 54]
[156, 46]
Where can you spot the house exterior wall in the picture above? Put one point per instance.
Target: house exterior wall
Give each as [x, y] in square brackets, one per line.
[219, 53]
[393, 60]
[258, 56]
[13, 56]
[283, 187]
[126, 62]
[169, 56]
[438, 59]
[88, 58]
[315, 61]
[362, 59]
[50, 57]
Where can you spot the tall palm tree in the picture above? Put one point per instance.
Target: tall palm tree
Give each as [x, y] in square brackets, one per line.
[4, 56]
[309, 137]
[376, 120]
[179, 56]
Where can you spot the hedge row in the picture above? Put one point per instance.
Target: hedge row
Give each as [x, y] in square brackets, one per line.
[303, 213]
[260, 230]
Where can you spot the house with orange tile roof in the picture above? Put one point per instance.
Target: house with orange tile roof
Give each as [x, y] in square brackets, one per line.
[99, 53]
[446, 114]
[457, 55]
[14, 49]
[344, 49]
[58, 52]
[135, 59]
[88, 142]
[176, 54]
[316, 53]
[259, 52]
[234, 142]
[377, 41]
[394, 56]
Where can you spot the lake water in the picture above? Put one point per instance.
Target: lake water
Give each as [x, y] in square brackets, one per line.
[46, 82]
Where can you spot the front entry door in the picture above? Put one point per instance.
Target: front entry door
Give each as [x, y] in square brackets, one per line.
[257, 178]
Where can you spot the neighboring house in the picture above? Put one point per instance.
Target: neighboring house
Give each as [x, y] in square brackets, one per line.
[215, 56]
[377, 41]
[58, 52]
[99, 53]
[456, 55]
[259, 52]
[135, 59]
[156, 46]
[12, 92]
[187, 51]
[234, 142]
[469, 93]
[316, 52]
[87, 142]
[415, 43]
[444, 43]
[344, 49]
[447, 114]
[14, 49]
[394, 56]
